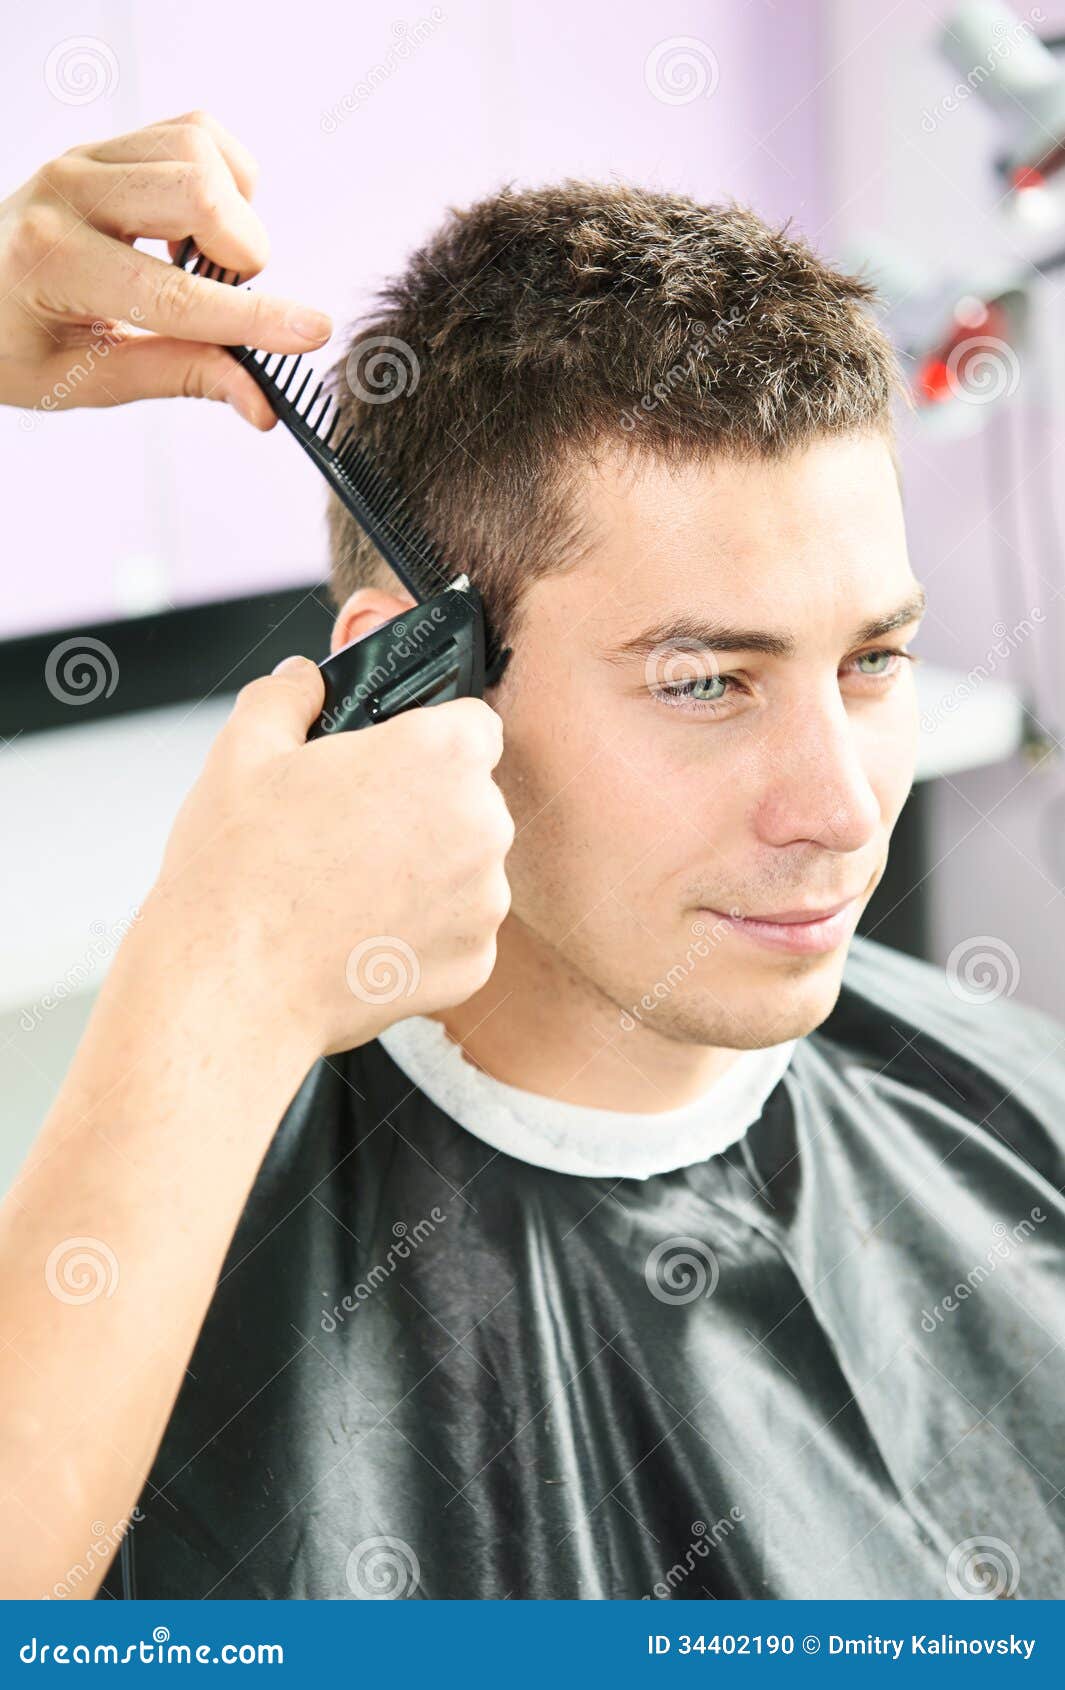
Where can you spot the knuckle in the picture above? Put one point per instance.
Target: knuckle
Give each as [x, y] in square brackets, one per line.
[499, 901]
[197, 118]
[54, 175]
[202, 191]
[194, 144]
[176, 294]
[496, 829]
[38, 232]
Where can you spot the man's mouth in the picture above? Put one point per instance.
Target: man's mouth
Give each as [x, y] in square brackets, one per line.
[809, 931]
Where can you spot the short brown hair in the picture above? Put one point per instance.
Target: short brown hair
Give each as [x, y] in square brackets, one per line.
[537, 326]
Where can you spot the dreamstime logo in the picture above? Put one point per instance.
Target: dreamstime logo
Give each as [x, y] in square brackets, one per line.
[703, 1538]
[406, 1240]
[675, 665]
[680, 1270]
[1007, 36]
[81, 670]
[104, 944]
[1006, 1239]
[381, 969]
[106, 336]
[381, 368]
[700, 947]
[406, 38]
[983, 1567]
[407, 637]
[383, 1569]
[685, 368]
[983, 968]
[982, 370]
[80, 70]
[99, 1551]
[1006, 640]
[681, 70]
[79, 1270]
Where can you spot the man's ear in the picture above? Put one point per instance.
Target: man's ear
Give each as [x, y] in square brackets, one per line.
[365, 610]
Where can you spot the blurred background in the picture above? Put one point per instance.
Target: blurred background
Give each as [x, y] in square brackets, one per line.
[161, 554]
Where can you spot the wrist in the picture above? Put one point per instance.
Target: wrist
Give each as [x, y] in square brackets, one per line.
[221, 977]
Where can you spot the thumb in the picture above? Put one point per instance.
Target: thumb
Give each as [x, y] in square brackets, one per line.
[149, 366]
[274, 712]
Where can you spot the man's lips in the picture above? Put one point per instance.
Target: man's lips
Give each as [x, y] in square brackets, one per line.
[809, 931]
[789, 917]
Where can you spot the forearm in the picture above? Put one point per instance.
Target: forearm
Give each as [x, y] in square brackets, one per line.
[146, 1158]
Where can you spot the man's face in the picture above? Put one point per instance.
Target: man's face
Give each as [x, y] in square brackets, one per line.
[660, 783]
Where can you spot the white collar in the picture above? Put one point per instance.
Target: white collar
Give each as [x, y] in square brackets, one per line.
[572, 1138]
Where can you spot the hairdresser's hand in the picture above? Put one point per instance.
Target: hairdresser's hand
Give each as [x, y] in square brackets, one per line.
[86, 318]
[345, 883]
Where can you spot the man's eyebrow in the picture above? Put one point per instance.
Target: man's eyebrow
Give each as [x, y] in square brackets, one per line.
[690, 632]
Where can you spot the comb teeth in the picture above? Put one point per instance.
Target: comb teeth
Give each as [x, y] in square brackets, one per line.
[313, 415]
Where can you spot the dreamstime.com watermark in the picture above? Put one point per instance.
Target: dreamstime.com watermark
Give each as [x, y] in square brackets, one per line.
[80, 1270]
[80, 973]
[982, 370]
[99, 1552]
[983, 968]
[106, 336]
[407, 637]
[407, 39]
[159, 1650]
[1006, 640]
[681, 1270]
[701, 947]
[381, 368]
[703, 1539]
[80, 670]
[383, 1569]
[81, 69]
[985, 1568]
[407, 1240]
[685, 367]
[1007, 38]
[382, 968]
[1008, 1238]
[681, 69]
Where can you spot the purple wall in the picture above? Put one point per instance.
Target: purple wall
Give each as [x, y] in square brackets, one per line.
[168, 502]
[980, 510]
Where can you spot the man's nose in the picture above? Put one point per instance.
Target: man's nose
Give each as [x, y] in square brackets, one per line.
[815, 781]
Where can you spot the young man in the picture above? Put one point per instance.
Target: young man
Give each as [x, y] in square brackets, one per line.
[667, 1259]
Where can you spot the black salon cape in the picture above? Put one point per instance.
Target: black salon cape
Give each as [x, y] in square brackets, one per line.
[846, 1380]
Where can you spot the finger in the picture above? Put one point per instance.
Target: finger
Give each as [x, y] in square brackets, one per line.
[480, 720]
[178, 138]
[155, 367]
[125, 284]
[275, 711]
[166, 201]
[241, 162]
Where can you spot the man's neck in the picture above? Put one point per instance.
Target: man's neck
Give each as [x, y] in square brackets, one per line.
[539, 1025]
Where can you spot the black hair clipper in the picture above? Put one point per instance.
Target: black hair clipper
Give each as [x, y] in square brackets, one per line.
[430, 653]
[439, 649]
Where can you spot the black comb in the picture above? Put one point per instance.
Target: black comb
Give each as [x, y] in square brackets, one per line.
[379, 507]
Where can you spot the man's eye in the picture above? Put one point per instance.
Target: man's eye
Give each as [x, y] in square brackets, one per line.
[707, 693]
[888, 673]
[700, 692]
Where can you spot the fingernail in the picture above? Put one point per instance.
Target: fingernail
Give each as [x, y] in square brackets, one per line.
[285, 665]
[310, 325]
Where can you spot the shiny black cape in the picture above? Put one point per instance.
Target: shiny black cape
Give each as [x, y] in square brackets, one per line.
[826, 1362]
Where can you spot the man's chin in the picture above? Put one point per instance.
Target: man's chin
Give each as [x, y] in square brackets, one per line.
[755, 1012]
